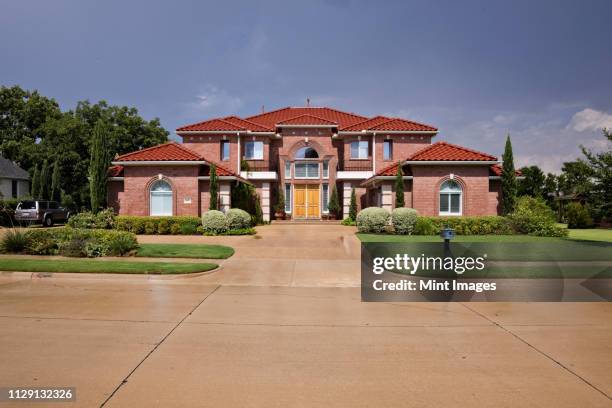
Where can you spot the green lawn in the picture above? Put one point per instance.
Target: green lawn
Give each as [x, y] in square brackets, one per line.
[185, 251]
[593, 234]
[79, 265]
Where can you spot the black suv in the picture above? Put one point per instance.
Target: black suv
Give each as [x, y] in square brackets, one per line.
[39, 211]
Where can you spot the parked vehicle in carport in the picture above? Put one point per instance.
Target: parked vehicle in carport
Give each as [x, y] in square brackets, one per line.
[39, 211]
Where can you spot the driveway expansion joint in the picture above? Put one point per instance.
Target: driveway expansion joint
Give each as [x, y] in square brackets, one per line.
[125, 380]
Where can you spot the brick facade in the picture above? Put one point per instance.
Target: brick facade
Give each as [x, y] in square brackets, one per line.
[480, 195]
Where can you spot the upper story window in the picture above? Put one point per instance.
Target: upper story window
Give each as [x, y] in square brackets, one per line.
[287, 169]
[253, 150]
[306, 153]
[306, 170]
[388, 150]
[326, 169]
[360, 149]
[225, 150]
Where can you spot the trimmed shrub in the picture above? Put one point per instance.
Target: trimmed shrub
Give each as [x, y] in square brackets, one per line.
[104, 219]
[532, 216]
[13, 241]
[424, 226]
[163, 227]
[372, 219]
[403, 220]
[238, 219]
[348, 222]
[578, 216]
[157, 225]
[242, 231]
[122, 244]
[214, 222]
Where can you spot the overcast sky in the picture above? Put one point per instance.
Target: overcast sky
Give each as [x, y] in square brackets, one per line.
[539, 70]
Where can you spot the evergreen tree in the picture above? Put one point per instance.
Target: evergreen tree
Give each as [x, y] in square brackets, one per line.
[334, 203]
[98, 166]
[508, 179]
[353, 208]
[214, 188]
[258, 212]
[399, 187]
[45, 188]
[35, 187]
[280, 202]
[56, 194]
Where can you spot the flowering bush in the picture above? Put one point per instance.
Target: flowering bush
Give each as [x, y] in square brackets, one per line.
[214, 222]
[403, 220]
[238, 219]
[372, 219]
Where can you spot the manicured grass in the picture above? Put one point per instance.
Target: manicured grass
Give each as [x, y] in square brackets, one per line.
[592, 234]
[458, 238]
[185, 251]
[100, 266]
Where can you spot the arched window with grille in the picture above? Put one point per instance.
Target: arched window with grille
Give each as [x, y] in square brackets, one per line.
[451, 198]
[160, 197]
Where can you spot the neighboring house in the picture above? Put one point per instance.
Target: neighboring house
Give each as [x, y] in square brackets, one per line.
[307, 151]
[14, 181]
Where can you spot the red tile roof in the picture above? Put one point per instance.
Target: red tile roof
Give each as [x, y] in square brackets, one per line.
[270, 119]
[267, 122]
[246, 124]
[442, 151]
[403, 125]
[212, 125]
[115, 171]
[496, 170]
[307, 120]
[170, 151]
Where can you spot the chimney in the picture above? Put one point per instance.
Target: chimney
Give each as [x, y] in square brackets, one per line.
[308, 102]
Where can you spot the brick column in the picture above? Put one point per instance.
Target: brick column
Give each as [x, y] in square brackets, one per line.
[386, 191]
[265, 201]
[225, 200]
[346, 199]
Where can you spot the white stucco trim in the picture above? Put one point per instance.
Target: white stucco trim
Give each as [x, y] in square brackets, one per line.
[353, 175]
[259, 175]
[222, 178]
[265, 201]
[347, 188]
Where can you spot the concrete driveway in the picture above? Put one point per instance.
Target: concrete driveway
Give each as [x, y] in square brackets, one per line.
[253, 343]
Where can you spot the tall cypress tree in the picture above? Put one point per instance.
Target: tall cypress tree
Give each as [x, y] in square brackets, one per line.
[353, 208]
[98, 166]
[508, 179]
[35, 187]
[56, 194]
[44, 186]
[214, 188]
[399, 186]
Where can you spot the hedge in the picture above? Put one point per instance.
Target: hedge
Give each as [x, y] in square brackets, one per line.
[484, 225]
[372, 219]
[178, 225]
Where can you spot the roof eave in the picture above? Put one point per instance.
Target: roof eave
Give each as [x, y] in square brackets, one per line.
[443, 162]
[159, 162]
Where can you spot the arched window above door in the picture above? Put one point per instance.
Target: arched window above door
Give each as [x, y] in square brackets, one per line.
[306, 153]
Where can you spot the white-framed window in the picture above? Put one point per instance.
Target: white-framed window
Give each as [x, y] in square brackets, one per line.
[451, 198]
[288, 198]
[388, 149]
[225, 150]
[253, 150]
[306, 170]
[160, 198]
[287, 169]
[360, 149]
[326, 169]
[325, 197]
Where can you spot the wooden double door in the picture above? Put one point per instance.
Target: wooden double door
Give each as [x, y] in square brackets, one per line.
[306, 201]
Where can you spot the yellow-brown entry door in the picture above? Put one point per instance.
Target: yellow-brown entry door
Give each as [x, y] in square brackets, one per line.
[306, 201]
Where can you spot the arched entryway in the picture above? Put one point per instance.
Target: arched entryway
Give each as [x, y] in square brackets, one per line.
[160, 198]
